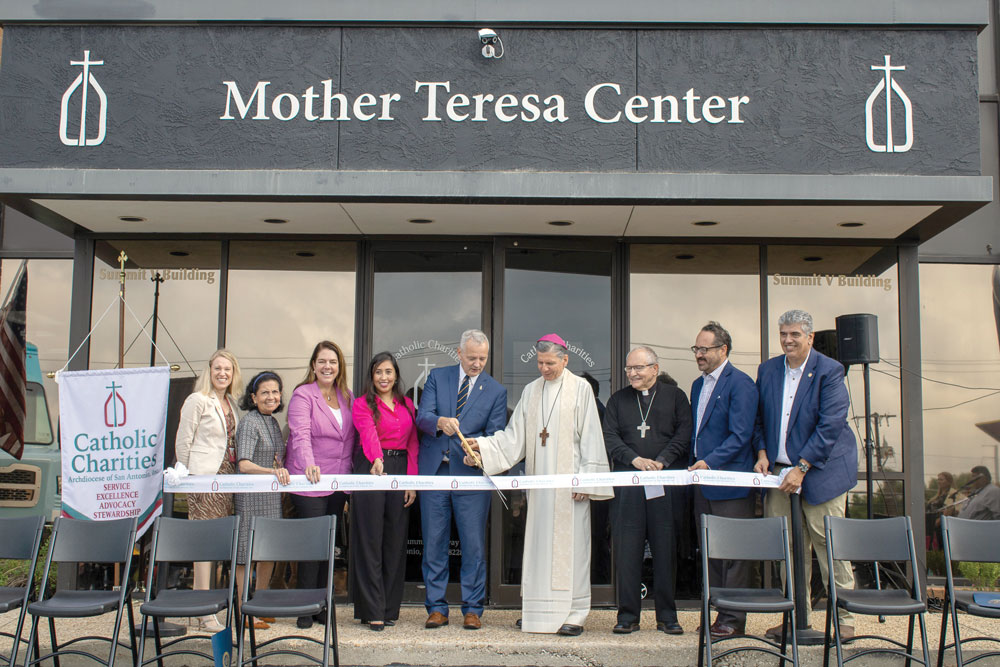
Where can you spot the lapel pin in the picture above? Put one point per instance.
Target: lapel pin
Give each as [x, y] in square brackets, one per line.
[810, 375]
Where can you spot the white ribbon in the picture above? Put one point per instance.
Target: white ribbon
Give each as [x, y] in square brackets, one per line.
[173, 483]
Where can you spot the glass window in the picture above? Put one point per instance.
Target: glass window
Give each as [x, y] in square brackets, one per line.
[675, 290]
[567, 292]
[960, 360]
[283, 298]
[828, 281]
[423, 302]
[187, 305]
[47, 332]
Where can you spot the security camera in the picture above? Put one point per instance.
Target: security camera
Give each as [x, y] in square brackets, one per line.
[492, 44]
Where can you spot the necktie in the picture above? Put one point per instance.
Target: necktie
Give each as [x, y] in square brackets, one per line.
[463, 396]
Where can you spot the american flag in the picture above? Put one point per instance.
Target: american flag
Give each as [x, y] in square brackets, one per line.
[12, 349]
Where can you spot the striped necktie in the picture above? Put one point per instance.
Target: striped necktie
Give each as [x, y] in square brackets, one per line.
[463, 396]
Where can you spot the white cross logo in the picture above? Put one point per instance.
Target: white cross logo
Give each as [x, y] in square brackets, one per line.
[84, 81]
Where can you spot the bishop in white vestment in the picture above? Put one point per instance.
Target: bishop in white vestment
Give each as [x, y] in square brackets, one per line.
[555, 428]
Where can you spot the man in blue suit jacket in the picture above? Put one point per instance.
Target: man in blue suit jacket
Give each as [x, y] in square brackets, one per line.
[723, 407]
[457, 398]
[802, 426]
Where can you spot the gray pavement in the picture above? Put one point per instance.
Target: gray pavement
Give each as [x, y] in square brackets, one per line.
[500, 643]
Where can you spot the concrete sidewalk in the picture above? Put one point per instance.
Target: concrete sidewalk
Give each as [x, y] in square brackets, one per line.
[500, 643]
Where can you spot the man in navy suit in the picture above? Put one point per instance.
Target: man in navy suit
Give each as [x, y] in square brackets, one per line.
[802, 426]
[724, 407]
[457, 398]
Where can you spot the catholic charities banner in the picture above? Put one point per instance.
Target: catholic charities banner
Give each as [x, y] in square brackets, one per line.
[111, 427]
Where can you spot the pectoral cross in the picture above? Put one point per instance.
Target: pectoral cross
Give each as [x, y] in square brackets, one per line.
[544, 435]
[642, 428]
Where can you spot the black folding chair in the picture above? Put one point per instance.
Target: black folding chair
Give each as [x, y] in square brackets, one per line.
[747, 539]
[181, 540]
[22, 538]
[976, 542]
[873, 540]
[77, 541]
[290, 540]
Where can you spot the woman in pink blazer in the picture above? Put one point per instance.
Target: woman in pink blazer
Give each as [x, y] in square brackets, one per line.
[321, 441]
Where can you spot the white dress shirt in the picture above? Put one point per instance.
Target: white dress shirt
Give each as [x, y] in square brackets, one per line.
[707, 387]
[791, 385]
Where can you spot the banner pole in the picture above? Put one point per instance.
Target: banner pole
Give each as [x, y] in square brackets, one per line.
[122, 258]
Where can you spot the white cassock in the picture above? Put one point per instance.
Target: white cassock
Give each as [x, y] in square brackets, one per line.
[555, 581]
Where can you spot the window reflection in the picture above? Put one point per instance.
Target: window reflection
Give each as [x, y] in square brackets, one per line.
[283, 298]
[567, 292]
[676, 290]
[47, 327]
[960, 360]
[828, 281]
[188, 304]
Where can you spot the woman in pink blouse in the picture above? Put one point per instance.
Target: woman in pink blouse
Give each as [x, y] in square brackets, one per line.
[384, 418]
[321, 440]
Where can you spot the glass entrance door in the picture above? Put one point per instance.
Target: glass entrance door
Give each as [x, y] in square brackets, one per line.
[569, 292]
[423, 299]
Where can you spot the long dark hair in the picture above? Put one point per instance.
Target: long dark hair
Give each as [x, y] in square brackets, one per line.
[397, 387]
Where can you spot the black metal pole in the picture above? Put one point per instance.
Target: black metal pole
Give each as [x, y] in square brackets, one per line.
[806, 636]
[869, 450]
[157, 279]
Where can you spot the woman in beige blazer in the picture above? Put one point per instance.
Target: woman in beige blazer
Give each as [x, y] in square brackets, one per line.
[206, 444]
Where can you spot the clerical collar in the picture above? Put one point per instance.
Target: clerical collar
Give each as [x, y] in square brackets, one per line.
[645, 392]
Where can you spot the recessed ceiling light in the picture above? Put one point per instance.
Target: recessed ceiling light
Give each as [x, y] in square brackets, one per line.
[275, 221]
[179, 253]
[305, 253]
[850, 224]
[420, 221]
[684, 256]
[560, 223]
[705, 223]
[131, 218]
[812, 258]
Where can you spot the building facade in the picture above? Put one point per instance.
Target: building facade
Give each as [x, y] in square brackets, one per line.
[383, 177]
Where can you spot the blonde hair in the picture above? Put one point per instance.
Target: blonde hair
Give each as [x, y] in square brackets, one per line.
[204, 383]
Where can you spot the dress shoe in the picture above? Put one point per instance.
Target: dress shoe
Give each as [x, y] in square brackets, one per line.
[472, 621]
[517, 624]
[436, 620]
[625, 628]
[304, 622]
[389, 623]
[208, 623]
[570, 630]
[847, 632]
[721, 630]
[376, 626]
[671, 627]
[267, 619]
[775, 632]
[258, 624]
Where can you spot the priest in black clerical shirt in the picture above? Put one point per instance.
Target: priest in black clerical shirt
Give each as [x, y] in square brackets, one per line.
[647, 426]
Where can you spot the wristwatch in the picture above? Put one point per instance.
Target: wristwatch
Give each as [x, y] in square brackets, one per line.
[803, 466]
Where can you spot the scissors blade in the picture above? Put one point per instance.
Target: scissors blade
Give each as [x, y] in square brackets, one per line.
[479, 463]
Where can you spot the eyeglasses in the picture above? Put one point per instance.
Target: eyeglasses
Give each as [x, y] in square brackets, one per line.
[629, 369]
[704, 350]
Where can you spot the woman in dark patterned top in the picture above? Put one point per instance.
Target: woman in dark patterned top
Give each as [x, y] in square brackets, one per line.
[260, 450]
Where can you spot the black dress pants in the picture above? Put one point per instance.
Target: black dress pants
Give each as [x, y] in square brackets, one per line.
[313, 574]
[378, 546]
[635, 521]
[726, 573]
